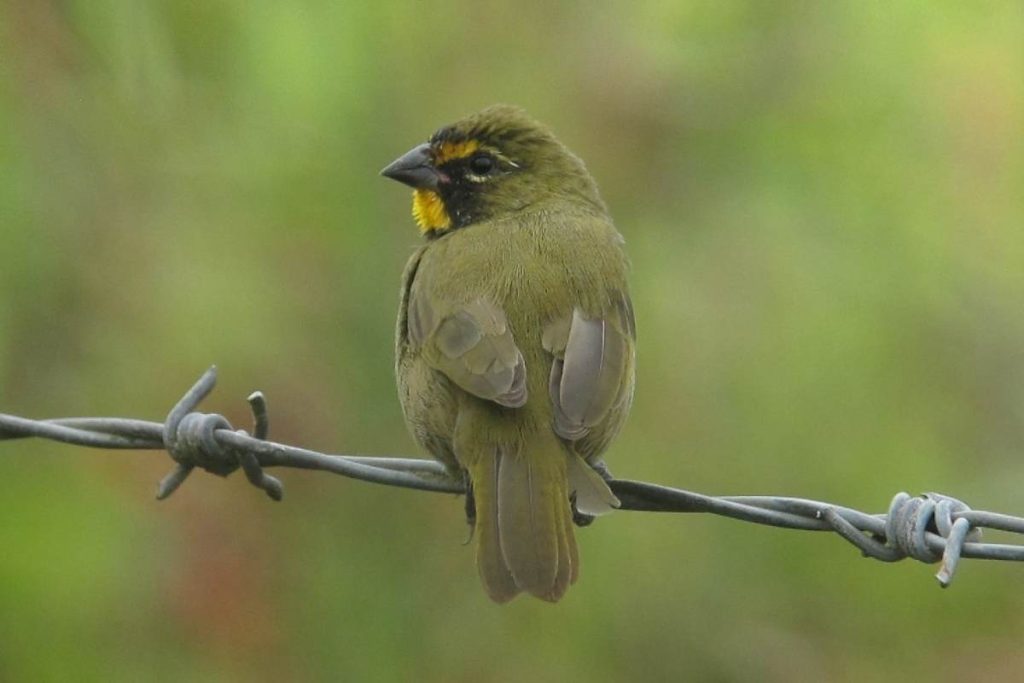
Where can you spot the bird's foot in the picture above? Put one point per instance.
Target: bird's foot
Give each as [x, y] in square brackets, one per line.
[580, 518]
[470, 510]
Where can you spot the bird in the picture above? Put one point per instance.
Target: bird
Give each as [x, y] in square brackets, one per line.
[515, 344]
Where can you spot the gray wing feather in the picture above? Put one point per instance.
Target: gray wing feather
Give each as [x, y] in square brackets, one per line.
[588, 375]
[473, 346]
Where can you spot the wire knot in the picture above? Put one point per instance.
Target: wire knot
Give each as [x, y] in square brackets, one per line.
[191, 440]
[913, 523]
[192, 443]
[928, 528]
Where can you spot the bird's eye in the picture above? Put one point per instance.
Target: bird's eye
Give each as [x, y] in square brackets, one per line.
[481, 164]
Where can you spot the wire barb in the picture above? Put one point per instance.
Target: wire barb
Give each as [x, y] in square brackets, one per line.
[929, 528]
[191, 440]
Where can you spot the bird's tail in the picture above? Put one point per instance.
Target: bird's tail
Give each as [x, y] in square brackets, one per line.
[524, 526]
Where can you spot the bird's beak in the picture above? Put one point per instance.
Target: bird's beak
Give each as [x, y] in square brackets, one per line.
[415, 168]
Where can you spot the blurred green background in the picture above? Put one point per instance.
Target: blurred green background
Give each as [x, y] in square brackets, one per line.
[824, 203]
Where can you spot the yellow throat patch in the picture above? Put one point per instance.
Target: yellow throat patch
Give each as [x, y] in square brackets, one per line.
[427, 206]
[429, 212]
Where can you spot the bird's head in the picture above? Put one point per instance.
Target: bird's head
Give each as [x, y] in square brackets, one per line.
[490, 164]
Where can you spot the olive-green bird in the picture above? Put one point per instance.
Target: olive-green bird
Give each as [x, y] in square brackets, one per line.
[515, 340]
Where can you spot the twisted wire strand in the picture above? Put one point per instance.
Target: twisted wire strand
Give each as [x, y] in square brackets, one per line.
[930, 528]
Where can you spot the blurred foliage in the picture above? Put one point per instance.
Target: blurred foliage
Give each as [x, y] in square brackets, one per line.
[824, 205]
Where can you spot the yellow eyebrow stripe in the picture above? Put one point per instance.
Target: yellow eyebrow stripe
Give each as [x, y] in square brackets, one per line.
[448, 151]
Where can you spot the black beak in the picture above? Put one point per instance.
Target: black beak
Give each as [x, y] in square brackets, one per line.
[415, 168]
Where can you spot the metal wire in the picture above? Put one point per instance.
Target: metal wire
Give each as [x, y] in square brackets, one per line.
[930, 528]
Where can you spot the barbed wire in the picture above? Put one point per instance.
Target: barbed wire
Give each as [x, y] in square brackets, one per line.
[931, 527]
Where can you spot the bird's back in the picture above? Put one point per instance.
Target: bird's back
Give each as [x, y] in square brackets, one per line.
[545, 264]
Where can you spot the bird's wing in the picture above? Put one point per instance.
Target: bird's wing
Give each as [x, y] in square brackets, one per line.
[471, 344]
[592, 369]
